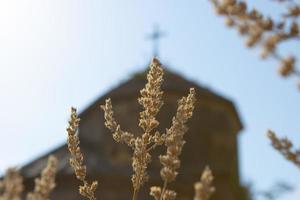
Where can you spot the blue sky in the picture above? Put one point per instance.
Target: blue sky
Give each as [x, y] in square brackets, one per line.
[61, 53]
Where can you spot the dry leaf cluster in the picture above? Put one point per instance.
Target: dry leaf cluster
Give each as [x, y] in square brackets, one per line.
[264, 31]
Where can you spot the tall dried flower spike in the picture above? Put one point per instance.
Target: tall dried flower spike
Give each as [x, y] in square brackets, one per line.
[151, 97]
[76, 161]
[46, 183]
[151, 101]
[285, 147]
[11, 185]
[174, 143]
[204, 188]
[118, 134]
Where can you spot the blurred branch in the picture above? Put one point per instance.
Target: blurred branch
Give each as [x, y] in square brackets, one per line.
[274, 192]
[264, 31]
[285, 147]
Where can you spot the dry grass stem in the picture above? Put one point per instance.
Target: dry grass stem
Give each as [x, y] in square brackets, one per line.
[118, 134]
[76, 161]
[142, 145]
[285, 147]
[151, 101]
[264, 31]
[11, 187]
[204, 188]
[46, 183]
[174, 142]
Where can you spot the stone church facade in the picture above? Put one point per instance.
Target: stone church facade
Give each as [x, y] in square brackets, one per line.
[211, 140]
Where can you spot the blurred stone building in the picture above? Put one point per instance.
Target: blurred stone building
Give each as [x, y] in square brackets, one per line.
[212, 140]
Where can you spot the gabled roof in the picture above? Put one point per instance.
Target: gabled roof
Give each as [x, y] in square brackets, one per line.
[173, 83]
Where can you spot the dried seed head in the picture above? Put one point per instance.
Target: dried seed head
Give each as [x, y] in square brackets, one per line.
[151, 101]
[155, 192]
[294, 30]
[76, 160]
[11, 187]
[285, 147]
[118, 134]
[88, 190]
[174, 138]
[266, 24]
[226, 3]
[263, 31]
[140, 160]
[204, 188]
[46, 183]
[293, 11]
[229, 22]
[287, 66]
[169, 195]
[151, 97]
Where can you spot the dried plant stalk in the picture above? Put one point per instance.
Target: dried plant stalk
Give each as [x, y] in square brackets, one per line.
[151, 101]
[46, 183]
[156, 192]
[76, 161]
[11, 187]
[143, 144]
[118, 134]
[174, 142]
[264, 31]
[285, 147]
[151, 98]
[204, 188]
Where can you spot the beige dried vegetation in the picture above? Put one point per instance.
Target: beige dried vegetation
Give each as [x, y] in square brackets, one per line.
[285, 147]
[258, 29]
[263, 31]
[46, 183]
[268, 33]
[204, 188]
[11, 187]
[76, 161]
[144, 143]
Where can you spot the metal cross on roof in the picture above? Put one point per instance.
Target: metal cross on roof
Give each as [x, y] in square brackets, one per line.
[155, 36]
